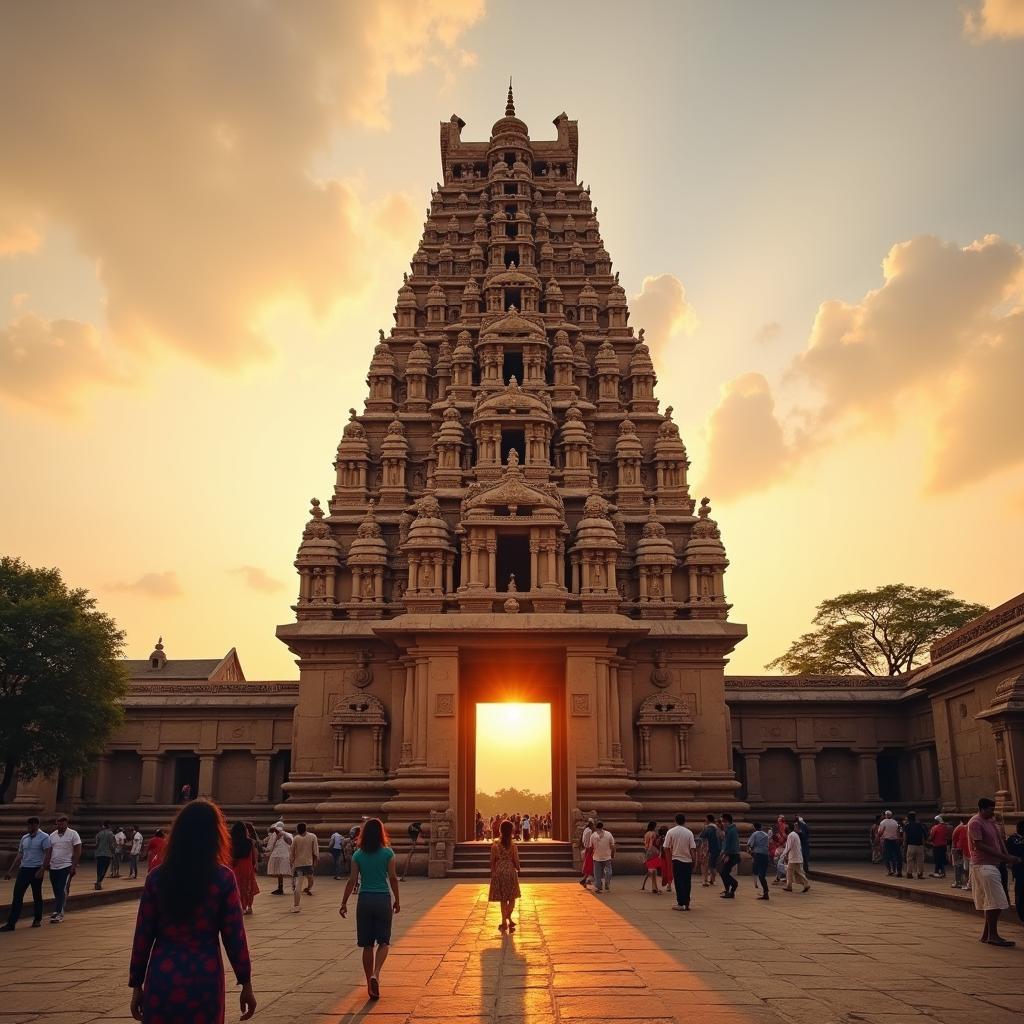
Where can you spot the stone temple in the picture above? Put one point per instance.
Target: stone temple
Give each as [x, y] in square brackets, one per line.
[511, 519]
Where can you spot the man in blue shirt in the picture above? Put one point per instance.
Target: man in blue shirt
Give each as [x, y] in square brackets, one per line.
[757, 844]
[730, 857]
[31, 863]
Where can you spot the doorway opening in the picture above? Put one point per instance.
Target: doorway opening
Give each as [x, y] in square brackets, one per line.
[186, 770]
[513, 766]
[513, 439]
[512, 366]
[513, 559]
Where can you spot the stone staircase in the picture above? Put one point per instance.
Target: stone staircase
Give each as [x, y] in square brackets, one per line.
[540, 859]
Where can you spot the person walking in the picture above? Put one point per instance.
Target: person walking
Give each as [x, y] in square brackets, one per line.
[961, 856]
[155, 849]
[915, 834]
[104, 853]
[803, 830]
[134, 842]
[666, 860]
[587, 853]
[243, 864]
[120, 852]
[794, 862]
[65, 853]
[30, 864]
[602, 842]
[988, 852]
[190, 905]
[279, 862]
[1015, 845]
[938, 838]
[652, 858]
[335, 846]
[730, 858]
[374, 873]
[414, 831]
[185, 793]
[505, 868]
[527, 824]
[709, 845]
[889, 833]
[682, 848]
[305, 853]
[757, 845]
[875, 841]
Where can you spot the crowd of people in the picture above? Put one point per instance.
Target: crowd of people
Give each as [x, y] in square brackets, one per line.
[203, 881]
[525, 827]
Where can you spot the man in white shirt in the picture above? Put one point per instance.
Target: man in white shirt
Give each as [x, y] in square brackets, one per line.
[134, 849]
[889, 835]
[681, 845]
[584, 846]
[526, 828]
[602, 843]
[794, 862]
[65, 852]
[119, 852]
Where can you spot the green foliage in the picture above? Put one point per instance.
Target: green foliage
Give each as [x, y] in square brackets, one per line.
[61, 682]
[881, 632]
[513, 801]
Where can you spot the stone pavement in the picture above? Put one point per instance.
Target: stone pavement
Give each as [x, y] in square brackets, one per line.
[833, 955]
[862, 874]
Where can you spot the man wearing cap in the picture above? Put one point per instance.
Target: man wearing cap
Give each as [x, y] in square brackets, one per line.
[279, 861]
[31, 862]
[889, 833]
[938, 837]
[65, 853]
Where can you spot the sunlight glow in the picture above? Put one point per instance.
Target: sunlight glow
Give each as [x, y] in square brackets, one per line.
[513, 747]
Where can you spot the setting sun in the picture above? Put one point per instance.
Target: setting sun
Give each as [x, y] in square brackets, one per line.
[513, 747]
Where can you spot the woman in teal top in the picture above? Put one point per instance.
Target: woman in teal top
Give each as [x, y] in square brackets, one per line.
[373, 869]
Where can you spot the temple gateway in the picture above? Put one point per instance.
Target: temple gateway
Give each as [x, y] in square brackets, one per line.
[511, 520]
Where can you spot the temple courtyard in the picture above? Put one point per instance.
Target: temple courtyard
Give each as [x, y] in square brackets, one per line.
[832, 955]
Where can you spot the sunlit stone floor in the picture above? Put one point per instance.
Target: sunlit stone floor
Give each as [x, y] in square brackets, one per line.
[832, 955]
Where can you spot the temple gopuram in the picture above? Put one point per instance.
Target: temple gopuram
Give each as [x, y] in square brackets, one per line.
[511, 519]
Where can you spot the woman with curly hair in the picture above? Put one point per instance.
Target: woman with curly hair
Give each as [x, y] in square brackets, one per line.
[189, 904]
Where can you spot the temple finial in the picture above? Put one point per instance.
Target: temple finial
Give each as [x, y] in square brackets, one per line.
[510, 105]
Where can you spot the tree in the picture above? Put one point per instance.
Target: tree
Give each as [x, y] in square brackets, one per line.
[61, 682]
[512, 801]
[881, 632]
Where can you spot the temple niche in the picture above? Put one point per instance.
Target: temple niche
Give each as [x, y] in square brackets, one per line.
[511, 512]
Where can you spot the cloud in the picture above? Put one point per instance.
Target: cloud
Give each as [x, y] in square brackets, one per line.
[746, 447]
[995, 19]
[257, 579]
[939, 344]
[160, 585]
[662, 310]
[768, 332]
[50, 362]
[176, 143]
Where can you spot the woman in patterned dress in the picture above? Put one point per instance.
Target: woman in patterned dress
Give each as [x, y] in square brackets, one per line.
[244, 858]
[189, 903]
[505, 876]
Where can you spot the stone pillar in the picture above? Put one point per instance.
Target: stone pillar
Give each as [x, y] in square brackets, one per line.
[420, 756]
[103, 766]
[147, 785]
[809, 776]
[602, 711]
[408, 712]
[614, 714]
[207, 762]
[262, 793]
[926, 757]
[753, 772]
[869, 777]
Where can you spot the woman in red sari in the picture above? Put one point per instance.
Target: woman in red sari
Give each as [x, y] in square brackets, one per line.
[244, 859]
[189, 904]
[155, 849]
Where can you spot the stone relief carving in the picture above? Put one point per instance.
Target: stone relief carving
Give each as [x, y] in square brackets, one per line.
[444, 704]
[581, 704]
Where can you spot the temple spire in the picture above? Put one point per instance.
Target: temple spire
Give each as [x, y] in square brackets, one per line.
[510, 105]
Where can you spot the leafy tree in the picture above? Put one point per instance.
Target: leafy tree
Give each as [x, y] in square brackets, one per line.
[881, 632]
[61, 682]
[513, 801]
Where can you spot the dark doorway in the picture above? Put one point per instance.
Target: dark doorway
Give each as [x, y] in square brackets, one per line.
[513, 439]
[512, 366]
[889, 778]
[513, 557]
[513, 297]
[186, 770]
[280, 769]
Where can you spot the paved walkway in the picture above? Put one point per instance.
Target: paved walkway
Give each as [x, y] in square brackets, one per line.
[833, 956]
[937, 891]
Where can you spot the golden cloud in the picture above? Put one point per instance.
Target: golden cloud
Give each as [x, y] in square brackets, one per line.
[663, 310]
[995, 19]
[258, 579]
[161, 585]
[940, 342]
[176, 144]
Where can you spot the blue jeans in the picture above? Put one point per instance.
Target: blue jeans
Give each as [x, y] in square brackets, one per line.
[602, 874]
[892, 855]
[25, 879]
[60, 880]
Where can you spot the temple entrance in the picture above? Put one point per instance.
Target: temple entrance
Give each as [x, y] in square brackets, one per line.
[512, 736]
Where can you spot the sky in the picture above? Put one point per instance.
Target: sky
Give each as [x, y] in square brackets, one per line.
[205, 212]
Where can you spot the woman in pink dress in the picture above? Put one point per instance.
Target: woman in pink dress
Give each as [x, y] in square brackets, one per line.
[244, 858]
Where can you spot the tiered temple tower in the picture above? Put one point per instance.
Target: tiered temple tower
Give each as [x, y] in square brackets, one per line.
[511, 519]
